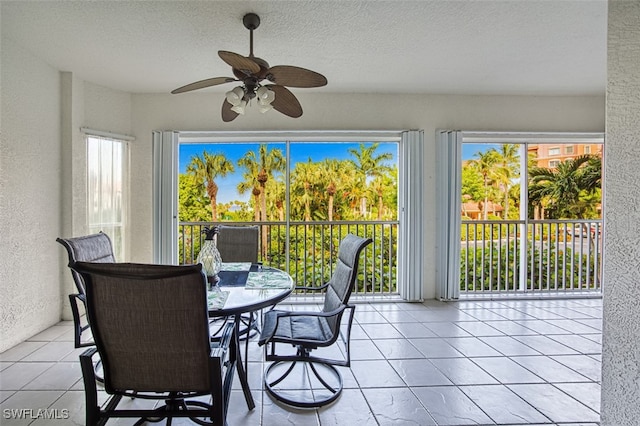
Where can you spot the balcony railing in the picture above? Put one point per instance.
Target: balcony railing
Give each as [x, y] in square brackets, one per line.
[308, 250]
[496, 257]
[543, 256]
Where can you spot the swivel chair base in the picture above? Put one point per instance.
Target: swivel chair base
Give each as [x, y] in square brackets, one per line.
[303, 384]
[179, 405]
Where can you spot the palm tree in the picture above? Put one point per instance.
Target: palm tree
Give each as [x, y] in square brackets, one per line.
[507, 170]
[485, 164]
[330, 176]
[303, 181]
[260, 169]
[369, 165]
[277, 196]
[206, 169]
[566, 186]
[250, 183]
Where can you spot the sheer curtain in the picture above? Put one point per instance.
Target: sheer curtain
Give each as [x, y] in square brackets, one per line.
[449, 147]
[107, 190]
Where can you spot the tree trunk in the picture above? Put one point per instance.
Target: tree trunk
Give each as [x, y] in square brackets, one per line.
[212, 191]
[363, 207]
[486, 198]
[256, 204]
[263, 202]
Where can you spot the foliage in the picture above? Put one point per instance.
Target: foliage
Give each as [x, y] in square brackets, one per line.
[472, 189]
[206, 169]
[567, 191]
[194, 202]
[571, 190]
[311, 247]
[357, 188]
[496, 267]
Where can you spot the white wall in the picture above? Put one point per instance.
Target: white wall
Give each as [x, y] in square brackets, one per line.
[30, 195]
[325, 111]
[621, 270]
[42, 184]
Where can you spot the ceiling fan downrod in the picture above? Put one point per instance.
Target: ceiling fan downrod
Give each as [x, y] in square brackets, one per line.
[251, 21]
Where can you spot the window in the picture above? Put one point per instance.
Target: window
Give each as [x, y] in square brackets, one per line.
[500, 231]
[568, 149]
[287, 225]
[587, 149]
[107, 185]
[297, 191]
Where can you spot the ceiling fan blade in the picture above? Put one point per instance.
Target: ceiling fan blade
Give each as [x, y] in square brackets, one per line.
[286, 75]
[285, 102]
[203, 83]
[227, 114]
[239, 62]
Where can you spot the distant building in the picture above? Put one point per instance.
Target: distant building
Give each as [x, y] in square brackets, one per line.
[473, 209]
[550, 155]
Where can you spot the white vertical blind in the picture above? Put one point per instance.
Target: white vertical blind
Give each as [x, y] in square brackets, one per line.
[411, 253]
[165, 197]
[107, 190]
[449, 172]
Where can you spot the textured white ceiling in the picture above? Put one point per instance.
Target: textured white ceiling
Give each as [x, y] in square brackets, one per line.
[441, 47]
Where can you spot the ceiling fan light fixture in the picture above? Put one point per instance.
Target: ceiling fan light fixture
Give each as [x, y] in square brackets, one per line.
[265, 96]
[265, 107]
[240, 107]
[235, 96]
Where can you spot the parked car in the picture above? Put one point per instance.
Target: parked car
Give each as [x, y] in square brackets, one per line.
[578, 230]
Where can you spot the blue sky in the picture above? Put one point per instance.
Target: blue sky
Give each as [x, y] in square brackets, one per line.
[300, 152]
[470, 149]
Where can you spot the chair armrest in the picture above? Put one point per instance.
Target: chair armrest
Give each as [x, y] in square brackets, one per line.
[220, 348]
[89, 353]
[268, 332]
[311, 313]
[78, 296]
[319, 288]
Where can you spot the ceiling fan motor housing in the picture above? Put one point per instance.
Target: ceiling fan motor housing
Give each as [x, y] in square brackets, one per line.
[251, 21]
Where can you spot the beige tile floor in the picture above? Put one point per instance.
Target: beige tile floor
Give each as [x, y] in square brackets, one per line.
[530, 362]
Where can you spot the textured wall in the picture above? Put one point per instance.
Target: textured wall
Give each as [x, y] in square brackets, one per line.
[30, 195]
[201, 111]
[43, 184]
[621, 273]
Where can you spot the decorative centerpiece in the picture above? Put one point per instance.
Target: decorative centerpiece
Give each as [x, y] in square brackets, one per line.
[209, 255]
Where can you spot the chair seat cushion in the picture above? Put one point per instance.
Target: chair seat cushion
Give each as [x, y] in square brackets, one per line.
[298, 329]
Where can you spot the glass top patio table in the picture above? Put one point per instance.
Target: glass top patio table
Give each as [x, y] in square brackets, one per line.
[246, 287]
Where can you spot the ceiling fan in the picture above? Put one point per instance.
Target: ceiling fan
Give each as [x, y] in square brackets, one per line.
[251, 72]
